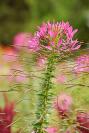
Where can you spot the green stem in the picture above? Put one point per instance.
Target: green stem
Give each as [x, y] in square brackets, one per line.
[45, 96]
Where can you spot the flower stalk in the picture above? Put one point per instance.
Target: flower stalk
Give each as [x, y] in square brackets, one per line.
[45, 96]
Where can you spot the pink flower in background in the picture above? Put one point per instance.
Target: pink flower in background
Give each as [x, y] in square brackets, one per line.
[51, 130]
[82, 64]
[58, 36]
[21, 40]
[83, 122]
[6, 116]
[61, 78]
[63, 104]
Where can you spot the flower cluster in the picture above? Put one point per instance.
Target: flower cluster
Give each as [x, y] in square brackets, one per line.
[57, 36]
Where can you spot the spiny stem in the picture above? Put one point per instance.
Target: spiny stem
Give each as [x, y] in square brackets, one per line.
[44, 96]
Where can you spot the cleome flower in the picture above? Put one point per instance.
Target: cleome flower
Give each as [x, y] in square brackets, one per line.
[63, 105]
[57, 36]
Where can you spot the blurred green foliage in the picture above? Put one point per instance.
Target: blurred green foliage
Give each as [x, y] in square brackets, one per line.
[24, 15]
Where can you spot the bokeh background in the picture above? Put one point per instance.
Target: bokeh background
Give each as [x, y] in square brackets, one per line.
[24, 15]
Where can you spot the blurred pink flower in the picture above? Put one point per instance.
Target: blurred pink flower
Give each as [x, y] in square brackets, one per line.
[61, 78]
[83, 122]
[82, 64]
[63, 104]
[58, 36]
[6, 116]
[21, 40]
[51, 130]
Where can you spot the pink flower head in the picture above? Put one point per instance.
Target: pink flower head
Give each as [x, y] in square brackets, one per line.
[58, 36]
[51, 130]
[61, 78]
[6, 116]
[83, 122]
[82, 64]
[63, 104]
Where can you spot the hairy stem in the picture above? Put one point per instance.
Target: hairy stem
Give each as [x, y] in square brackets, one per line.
[45, 96]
